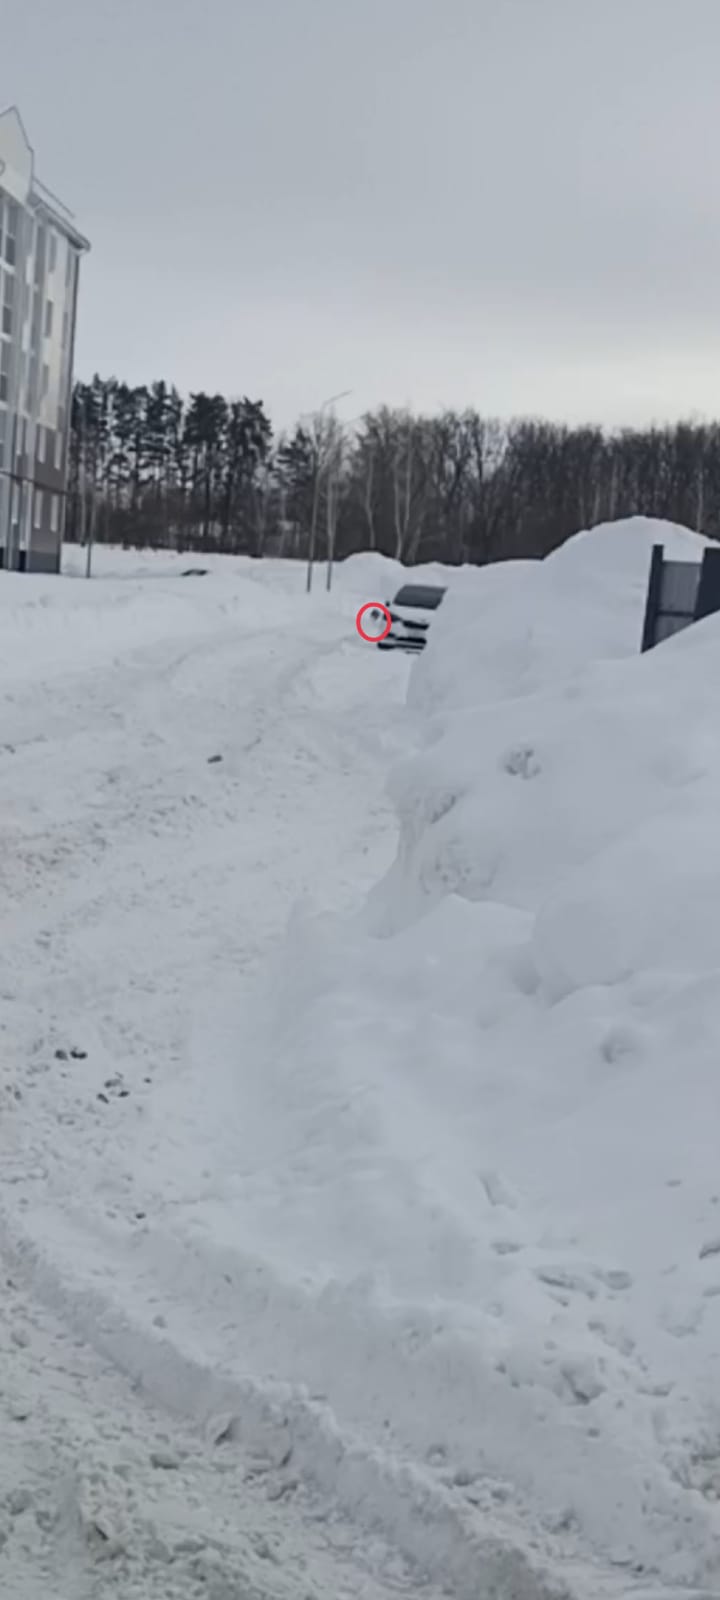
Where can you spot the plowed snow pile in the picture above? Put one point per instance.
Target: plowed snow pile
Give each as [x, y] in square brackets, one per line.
[478, 1153]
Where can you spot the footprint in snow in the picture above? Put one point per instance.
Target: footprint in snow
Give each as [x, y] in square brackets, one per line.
[497, 1191]
[614, 1338]
[613, 1278]
[564, 1278]
[572, 1282]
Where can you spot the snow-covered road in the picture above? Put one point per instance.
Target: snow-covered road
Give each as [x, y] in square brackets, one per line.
[141, 878]
[182, 765]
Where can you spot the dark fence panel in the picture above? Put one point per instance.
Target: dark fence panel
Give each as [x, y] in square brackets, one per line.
[679, 593]
[708, 599]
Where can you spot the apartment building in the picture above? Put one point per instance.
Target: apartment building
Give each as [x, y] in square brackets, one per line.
[40, 250]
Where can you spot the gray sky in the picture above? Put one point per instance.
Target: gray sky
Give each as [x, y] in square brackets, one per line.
[511, 204]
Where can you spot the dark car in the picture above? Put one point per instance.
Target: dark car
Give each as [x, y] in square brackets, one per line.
[411, 612]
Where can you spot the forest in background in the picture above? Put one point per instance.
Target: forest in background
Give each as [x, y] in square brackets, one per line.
[150, 469]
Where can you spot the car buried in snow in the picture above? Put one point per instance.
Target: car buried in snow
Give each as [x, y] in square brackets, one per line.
[410, 612]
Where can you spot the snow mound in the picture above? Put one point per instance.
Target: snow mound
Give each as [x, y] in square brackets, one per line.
[548, 737]
[511, 629]
[499, 1086]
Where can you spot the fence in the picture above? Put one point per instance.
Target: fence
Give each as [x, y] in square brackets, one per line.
[679, 593]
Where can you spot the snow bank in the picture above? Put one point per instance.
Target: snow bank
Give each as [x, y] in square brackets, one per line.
[487, 1113]
[510, 629]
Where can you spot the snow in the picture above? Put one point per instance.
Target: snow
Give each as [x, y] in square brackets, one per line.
[358, 1184]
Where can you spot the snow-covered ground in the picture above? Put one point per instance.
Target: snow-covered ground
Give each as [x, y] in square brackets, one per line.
[359, 1203]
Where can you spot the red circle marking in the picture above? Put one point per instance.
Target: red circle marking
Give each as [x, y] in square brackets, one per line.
[373, 605]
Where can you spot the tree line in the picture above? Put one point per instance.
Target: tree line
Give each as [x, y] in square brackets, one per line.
[151, 469]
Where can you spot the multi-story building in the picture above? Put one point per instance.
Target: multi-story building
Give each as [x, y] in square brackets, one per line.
[40, 250]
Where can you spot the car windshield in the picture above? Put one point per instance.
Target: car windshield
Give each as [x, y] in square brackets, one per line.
[420, 595]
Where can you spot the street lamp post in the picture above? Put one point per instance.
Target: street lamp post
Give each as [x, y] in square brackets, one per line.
[334, 500]
[316, 488]
[333, 486]
[334, 493]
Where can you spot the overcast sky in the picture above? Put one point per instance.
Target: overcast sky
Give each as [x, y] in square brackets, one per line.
[510, 204]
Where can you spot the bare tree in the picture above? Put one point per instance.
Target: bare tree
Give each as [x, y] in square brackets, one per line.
[368, 460]
[262, 492]
[451, 449]
[334, 481]
[410, 479]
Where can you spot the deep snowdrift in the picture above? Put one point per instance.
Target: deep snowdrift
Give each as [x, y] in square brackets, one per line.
[478, 1148]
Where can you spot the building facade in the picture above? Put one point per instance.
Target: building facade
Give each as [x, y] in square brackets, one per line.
[40, 250]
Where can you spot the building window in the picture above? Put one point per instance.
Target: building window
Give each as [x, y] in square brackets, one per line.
[59, 444]
[11, 220]
[39, 255]
[21, 447]
[48, 319]
[41, 443]
[4, 371]
[32, 382]
[45, 380]
[38, 508]
[7, 306]
[52, 263]
[54, 513]
[37, 318]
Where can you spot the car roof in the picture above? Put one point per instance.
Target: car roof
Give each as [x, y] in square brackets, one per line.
[424, 595]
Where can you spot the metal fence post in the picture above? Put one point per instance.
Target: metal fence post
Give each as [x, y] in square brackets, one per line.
[653, 597]
[708, 595]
